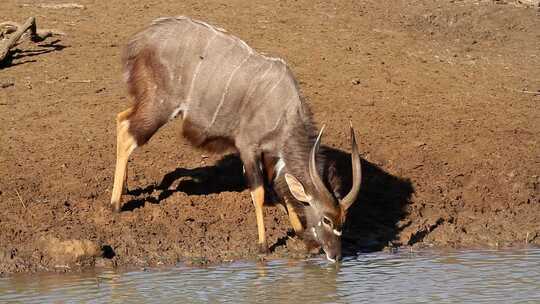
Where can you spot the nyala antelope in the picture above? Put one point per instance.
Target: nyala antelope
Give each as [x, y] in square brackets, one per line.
[232, 98]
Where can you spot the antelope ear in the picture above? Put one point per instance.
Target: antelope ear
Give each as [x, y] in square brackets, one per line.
[297, 189]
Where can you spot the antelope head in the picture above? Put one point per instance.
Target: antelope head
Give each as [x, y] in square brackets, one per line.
[324, 214]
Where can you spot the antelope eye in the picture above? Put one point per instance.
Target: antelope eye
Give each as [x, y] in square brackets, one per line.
[327, 221]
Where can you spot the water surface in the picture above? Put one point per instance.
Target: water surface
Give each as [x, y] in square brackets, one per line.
[405, 277]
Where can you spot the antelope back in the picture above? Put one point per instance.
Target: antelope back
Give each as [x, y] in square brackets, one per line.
[219, 85]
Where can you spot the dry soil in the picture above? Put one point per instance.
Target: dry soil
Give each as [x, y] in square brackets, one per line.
[443, 95]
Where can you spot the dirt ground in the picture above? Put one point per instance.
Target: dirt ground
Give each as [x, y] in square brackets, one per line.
[443, 95]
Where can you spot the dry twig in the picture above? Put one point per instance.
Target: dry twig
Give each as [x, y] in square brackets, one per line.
[57, 6]
[524, 91]
[17, 30]
[20, 198]
[530, 92]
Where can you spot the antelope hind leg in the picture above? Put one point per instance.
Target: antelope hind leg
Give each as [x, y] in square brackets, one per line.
[125, 144]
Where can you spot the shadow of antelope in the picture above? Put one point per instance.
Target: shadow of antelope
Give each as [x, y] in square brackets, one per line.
[18, 56]
[371, 221]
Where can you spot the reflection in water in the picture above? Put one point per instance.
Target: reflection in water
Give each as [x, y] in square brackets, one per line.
[426, 277]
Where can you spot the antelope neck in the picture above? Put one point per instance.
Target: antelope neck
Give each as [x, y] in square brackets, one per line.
[295, 158]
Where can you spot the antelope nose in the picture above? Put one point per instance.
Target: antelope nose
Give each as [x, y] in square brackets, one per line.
[333, 257]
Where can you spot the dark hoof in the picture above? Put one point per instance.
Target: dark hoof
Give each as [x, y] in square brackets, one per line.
[115, 207]
[263, 249]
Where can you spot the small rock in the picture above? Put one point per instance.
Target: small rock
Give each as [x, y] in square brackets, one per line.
[367, 104]
[7, 84]
[69, 251]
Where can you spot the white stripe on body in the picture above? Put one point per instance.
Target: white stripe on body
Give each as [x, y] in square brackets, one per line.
[198, 67]
[280, 165]
[166, 44]
[226, 90]
[248, 97]
[188, 99]
[276, 84]
[225, 33]
[180, 62]
[180, 109]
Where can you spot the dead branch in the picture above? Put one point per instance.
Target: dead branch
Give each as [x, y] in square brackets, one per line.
[536, 93]
[20, 198]
[8, 27]
[529, 92]
[57, 6]
[17, 30]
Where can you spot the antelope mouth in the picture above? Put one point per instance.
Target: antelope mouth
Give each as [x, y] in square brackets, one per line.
[329, 258]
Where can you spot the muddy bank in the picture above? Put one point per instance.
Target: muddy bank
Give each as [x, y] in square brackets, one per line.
[442, 94]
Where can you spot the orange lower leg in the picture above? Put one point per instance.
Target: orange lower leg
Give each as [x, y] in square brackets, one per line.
[257, 196]
[125, 144]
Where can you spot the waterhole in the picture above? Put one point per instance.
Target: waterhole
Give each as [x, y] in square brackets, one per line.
[403, 277]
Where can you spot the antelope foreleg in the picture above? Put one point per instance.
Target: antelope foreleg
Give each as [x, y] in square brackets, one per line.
[254, 177]
[257, 195]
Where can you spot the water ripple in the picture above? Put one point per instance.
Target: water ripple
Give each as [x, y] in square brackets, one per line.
[487, 276]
